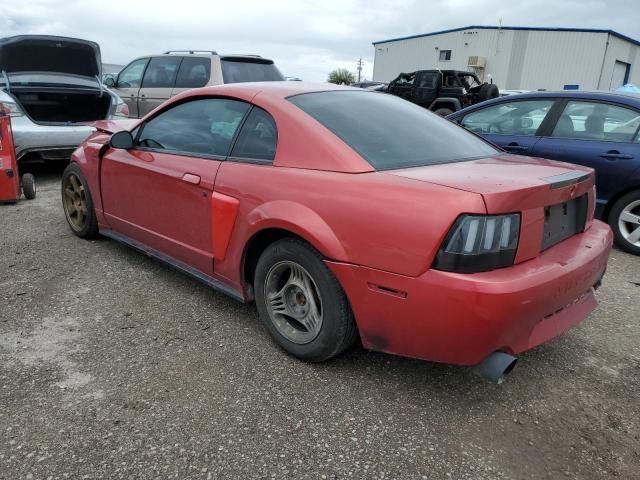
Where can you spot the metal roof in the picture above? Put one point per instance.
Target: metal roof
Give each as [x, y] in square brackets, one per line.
[538, 29]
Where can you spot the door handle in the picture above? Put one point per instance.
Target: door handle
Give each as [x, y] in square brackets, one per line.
[191, 178]
[514, 147]
[616, 155]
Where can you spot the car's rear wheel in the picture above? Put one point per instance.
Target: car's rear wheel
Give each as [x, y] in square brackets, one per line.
[301, 303]
[624, 220]
[488, 91]
[78, 204]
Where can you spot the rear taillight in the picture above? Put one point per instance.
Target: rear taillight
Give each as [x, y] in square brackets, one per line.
[122, 110]
[478, 243]
[11, 109]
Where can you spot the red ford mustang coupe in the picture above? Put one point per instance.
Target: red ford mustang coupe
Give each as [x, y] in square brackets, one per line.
[346, 213]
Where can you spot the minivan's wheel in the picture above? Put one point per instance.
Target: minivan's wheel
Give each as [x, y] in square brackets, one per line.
[624, 220]
[443, 112]
[29, 186]
[77, 203]
[301, 302]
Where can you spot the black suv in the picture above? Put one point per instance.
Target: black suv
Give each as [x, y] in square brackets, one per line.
[442, 91]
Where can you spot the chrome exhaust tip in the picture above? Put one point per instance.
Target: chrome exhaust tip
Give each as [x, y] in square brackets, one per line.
[496, 367]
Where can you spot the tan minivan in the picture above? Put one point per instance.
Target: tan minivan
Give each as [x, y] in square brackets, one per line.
[149, 81]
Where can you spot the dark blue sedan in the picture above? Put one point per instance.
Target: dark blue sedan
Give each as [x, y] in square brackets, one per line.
[596, 129]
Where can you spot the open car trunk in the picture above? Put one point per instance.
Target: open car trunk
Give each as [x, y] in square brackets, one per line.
[62, 105]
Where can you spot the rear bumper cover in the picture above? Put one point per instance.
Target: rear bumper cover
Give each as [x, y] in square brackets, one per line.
[462, 318]
[29, 136]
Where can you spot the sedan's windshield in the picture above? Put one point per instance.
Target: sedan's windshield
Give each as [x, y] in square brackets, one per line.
[389, 132]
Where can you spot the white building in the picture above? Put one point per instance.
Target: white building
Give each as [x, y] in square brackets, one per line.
[518, 57]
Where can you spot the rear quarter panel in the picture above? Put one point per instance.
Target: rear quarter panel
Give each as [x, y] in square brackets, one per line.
[370, 219]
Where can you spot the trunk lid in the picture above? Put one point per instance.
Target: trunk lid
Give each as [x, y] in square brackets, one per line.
[508, 182]
[47, 54]
[555, 200]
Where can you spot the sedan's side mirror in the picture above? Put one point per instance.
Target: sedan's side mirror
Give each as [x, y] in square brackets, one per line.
[110, 82]
[122, 140]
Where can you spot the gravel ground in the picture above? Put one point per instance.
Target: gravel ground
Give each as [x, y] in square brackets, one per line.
[114, 366]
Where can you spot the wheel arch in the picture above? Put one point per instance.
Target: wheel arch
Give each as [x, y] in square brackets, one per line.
[612, 201]
[284, 219]
[446, 102]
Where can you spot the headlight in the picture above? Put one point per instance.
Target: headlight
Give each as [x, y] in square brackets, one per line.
[478, 243]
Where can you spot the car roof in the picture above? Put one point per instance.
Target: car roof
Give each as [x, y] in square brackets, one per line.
[625, 98]
[279, 89]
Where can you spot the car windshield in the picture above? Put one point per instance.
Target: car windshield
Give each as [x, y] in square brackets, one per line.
[241, 70]
[469, 81]
[389, 132]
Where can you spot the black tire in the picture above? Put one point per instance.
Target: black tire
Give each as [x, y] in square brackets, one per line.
[488, 91]
[338, 330]
[618, 208]
[88, 228]
[29, 186]
[443, 112]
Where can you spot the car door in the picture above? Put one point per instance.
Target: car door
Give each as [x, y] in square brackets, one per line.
[194, 72]
[427, 84]
[159, 193]
[600, 135]
[157, 84]
[128, 84]
[235, 190]
[512, 125]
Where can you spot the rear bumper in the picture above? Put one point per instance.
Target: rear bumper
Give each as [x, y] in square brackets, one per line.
[32, 137]
[462, 318]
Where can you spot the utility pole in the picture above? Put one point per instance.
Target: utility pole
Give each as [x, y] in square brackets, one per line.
[360, 65]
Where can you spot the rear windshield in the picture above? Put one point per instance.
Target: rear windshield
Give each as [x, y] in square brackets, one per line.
[242, 70]
[389, 132]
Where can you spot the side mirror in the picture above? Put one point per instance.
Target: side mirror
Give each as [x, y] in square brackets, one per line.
[122, 140]
[110, 82]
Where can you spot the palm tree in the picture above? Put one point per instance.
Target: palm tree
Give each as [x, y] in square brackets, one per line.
[341, 76]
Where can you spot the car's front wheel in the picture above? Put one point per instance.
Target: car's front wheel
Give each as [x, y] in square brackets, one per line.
[624, 220]
[77, 203]
[301, 303]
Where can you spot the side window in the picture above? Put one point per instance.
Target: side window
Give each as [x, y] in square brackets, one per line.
[257, 138]
[131, 75]
[405, 80]
[161, 72]
[597, 121]
[514, 118]
[194, 72]
[204, 126]
[428, 80]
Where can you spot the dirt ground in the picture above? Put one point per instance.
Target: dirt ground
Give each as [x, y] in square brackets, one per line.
[115, 366]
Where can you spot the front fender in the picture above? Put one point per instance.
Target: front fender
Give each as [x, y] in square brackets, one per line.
[456, 103]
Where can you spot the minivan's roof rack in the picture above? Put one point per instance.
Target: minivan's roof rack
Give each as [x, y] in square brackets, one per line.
[191, 52]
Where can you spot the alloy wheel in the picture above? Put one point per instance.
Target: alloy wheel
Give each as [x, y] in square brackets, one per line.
[293, 302]
[629, 223]
[75, 202]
